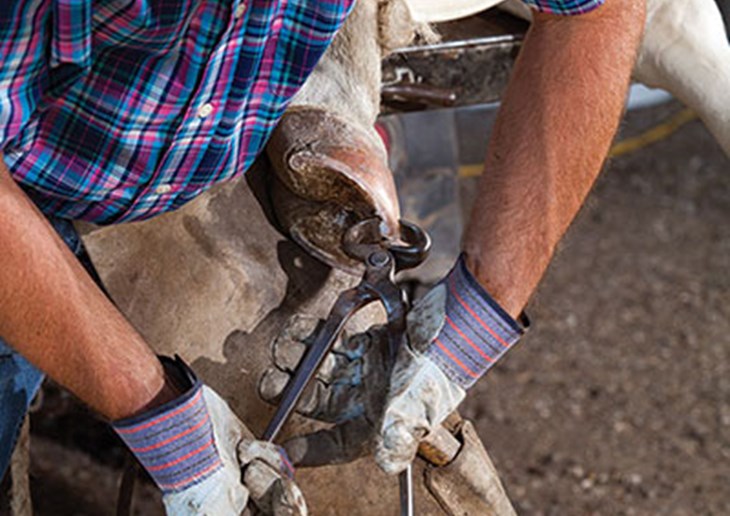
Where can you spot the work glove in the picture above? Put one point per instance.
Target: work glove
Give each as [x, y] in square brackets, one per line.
[455, 333]
[348, 390]
[205, 460]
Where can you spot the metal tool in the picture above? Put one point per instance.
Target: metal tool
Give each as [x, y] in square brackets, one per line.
[382, 259]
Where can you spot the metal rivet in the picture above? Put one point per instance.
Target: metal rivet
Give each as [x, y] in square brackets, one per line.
[379, 259]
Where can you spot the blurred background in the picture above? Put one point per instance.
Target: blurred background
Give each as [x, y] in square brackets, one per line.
[618, 400]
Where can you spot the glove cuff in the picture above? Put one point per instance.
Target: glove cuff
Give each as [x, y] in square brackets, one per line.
[287, 466]
[476, 331]
[174, 442]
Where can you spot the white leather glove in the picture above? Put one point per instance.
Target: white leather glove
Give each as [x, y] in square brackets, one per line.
[455, 334]
[421, 396]
[252, 469]
[348, 390]
[206, 461]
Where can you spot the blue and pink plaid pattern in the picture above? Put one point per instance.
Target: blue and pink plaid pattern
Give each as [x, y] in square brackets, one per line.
[116, 110]
[175, 442]
[565, 7]
[476, 331]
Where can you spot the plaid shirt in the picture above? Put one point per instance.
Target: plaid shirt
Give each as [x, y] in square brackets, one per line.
[565, 7]
[116, 110]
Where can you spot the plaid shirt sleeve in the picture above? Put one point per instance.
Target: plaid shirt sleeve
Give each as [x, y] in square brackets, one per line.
[565, 7]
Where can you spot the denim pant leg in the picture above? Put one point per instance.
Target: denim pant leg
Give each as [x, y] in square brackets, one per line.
[19, 380]
[19, 383]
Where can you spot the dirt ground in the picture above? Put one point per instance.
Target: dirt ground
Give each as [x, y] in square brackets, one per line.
[618, 401]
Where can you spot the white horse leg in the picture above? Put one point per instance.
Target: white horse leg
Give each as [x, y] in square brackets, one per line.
[685, 51]
[516, 8]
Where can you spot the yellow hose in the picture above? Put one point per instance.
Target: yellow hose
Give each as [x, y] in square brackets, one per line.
[653, 135]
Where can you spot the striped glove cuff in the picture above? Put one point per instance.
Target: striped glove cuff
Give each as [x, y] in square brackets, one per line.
[476, 331]
[287, 468]
[174, 442]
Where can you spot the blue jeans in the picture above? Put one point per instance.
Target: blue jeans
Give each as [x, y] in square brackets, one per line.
[19, 380]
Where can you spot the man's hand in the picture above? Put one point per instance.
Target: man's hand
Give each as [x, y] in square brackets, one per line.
[421, 395]
[252, 470]
[205, 460]
[454, 334]
[349, 390]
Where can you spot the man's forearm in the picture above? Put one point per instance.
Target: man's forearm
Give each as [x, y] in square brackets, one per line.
[556, 124]
[53, 314]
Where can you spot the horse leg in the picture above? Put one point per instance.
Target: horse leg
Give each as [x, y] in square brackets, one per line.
[685, 51]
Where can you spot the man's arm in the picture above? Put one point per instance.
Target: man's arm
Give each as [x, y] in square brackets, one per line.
[186, 437]
[54, 315]
[552, 134]
[557, 120]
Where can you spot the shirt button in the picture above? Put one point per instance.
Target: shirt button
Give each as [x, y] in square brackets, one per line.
[205, 110]
[163, 189]
[240, 10]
